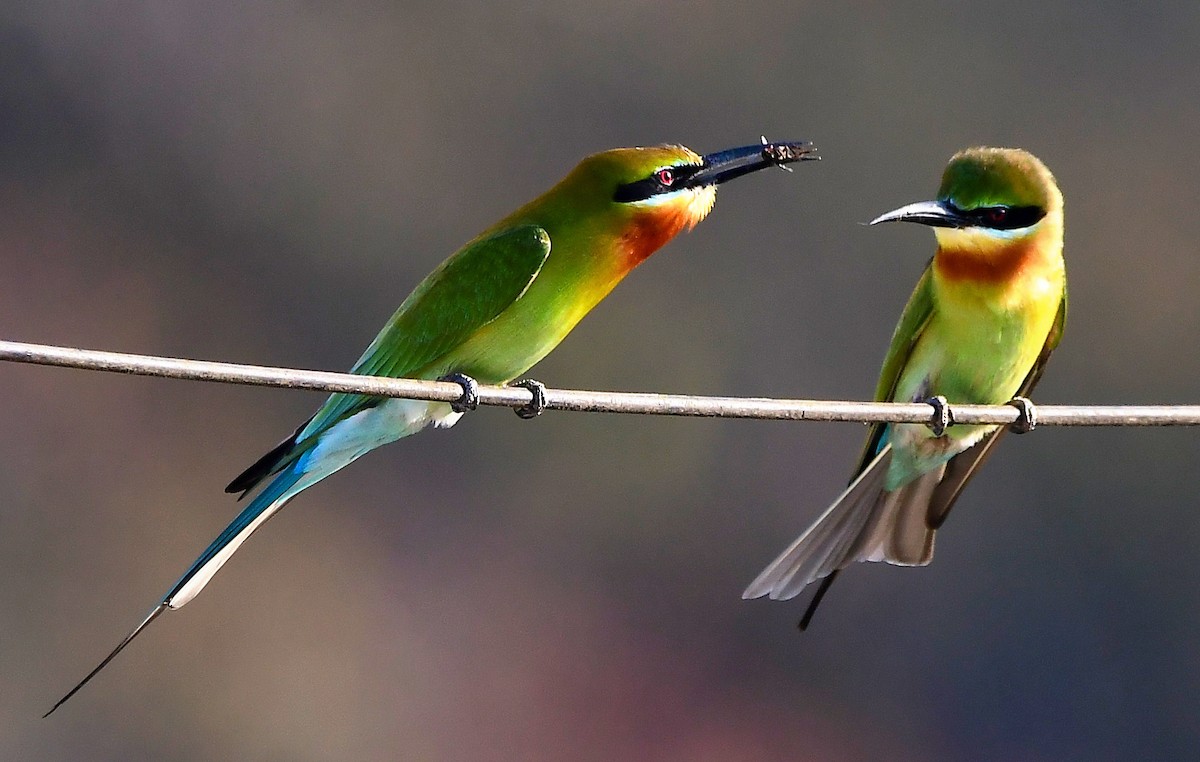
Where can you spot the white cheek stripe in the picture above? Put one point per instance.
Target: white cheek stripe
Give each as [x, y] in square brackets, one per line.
[696, 203]
[1010, 234]
[982, 239]
[668, 198]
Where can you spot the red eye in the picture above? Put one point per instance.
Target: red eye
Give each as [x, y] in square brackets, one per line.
[997, 215]
[665, 177]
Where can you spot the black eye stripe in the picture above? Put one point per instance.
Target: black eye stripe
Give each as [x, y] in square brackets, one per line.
[641, 190]
[1000, 217]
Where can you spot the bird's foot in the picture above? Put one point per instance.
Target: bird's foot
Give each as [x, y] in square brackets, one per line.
[942, 417]
[470, 392]
[535, 406]
[1027, 417]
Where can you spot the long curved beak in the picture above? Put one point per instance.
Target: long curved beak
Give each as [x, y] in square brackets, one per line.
[933, 213]
[725, 165]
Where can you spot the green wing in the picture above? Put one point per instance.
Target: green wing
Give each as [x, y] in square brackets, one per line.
[963, 466]
[912, 324]
[466, 292]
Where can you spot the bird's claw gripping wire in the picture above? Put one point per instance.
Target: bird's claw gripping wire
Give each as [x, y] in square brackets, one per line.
[535, 406]
[941, 417]
[1027, 415]
[470, 392]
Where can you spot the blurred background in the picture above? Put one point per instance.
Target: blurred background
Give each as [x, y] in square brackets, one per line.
[264, 182]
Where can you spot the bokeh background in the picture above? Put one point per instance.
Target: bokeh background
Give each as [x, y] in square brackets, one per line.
[264, 182]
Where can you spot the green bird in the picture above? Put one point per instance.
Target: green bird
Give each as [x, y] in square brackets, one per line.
[488, 313]
[979, 328]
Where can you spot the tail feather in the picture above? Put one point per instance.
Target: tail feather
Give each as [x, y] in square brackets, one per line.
[265, 504]
[865, 523]
[829, 541]
[898, 531]
[154, 614]
[296, 468]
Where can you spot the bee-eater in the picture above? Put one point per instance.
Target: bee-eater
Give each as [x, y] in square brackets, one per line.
[978, 329]
[488, 313]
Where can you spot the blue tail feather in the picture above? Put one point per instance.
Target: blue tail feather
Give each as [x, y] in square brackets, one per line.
[264, 501]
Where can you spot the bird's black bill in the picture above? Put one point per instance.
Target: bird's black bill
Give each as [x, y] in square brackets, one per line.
[159, 609]
[933, 213]
[726, 165]
[943, 214]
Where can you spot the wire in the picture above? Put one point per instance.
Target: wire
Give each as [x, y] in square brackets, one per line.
[592, 401]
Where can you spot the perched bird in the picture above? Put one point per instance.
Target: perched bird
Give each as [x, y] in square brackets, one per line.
[985, 316]
[489, 312]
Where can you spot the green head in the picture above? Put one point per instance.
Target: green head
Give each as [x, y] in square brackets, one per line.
[651, 183]
[999, 178]
[627, 202]
[1004, 191]
[666, 175]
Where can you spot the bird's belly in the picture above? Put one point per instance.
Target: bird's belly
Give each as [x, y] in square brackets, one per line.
[916, 450]
[362, 432]
[974, 359]
[516, 340]
[977, 362]
[959, 377]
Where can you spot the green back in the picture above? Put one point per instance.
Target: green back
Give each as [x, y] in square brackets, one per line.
[465, 293]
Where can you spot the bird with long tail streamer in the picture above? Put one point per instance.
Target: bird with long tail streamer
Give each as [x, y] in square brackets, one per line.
[487, 314]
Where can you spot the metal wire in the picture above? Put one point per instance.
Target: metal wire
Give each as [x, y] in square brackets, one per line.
[592, 401]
